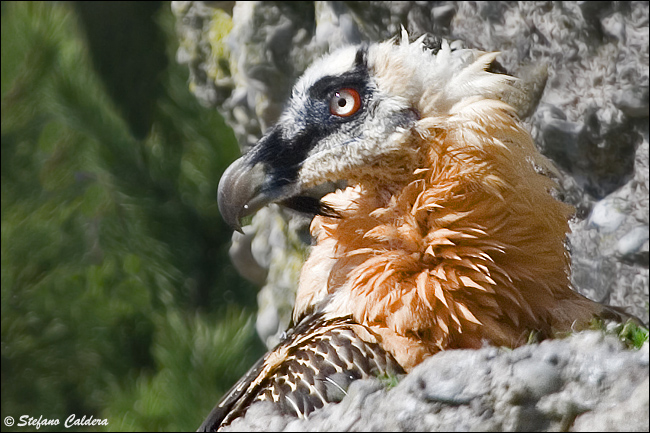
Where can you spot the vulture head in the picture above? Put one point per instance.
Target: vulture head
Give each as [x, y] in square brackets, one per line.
[352, 116]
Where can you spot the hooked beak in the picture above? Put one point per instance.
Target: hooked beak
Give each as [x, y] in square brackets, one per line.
[239, 191]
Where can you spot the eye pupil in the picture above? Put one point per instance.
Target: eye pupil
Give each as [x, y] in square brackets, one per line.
[342, 102]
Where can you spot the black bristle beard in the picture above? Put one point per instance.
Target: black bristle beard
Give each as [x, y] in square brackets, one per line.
[310, 205]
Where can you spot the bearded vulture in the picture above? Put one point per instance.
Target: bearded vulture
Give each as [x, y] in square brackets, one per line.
[443, 232]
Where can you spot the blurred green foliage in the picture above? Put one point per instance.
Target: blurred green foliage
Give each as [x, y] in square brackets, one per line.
[118, 297]
[632, 334]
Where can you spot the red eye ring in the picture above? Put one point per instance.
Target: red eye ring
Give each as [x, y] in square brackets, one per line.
[345, 102]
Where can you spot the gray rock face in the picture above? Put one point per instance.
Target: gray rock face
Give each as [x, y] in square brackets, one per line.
[587, 65]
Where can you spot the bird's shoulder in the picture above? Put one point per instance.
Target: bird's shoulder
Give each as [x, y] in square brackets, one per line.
[312, 366]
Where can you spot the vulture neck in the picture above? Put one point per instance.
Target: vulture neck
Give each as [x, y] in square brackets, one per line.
[469, 249]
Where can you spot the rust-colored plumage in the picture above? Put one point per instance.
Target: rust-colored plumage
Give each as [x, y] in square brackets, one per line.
[469, 249]
[446, 236]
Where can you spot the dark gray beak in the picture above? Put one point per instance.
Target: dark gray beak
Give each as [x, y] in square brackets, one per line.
[239, 191]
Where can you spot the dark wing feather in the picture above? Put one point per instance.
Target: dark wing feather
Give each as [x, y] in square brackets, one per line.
[313, 366]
